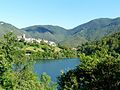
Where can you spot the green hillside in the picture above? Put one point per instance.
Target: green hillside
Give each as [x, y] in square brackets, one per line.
[109, 45]
[5, 28]
[95, 29]
[90, 31]
[49, 32]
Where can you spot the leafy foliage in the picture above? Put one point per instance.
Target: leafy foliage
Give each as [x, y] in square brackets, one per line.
[46, 82]
[45, 51]
[99, 68]
[15, 67]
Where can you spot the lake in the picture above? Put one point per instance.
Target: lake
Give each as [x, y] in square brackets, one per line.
[53, 67]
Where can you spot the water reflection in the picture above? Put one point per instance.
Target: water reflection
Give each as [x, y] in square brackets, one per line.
[54, 67]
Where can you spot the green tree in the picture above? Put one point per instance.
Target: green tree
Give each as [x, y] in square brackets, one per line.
[99, 68]
[16, 67]
[47, 83]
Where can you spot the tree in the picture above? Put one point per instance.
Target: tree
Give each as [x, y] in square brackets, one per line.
[15, 67]
[47, 83]
[99, 68]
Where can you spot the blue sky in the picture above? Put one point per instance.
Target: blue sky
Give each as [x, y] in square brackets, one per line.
[65, 13]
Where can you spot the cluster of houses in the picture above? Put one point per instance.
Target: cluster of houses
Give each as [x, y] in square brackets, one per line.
[23, 37]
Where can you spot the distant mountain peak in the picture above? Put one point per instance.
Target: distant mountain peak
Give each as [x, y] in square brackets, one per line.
[117, 18]
[1, 23]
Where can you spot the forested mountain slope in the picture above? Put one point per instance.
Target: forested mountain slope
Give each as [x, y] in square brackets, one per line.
[90, 31]
[94, 30]
[6, 27]
[49, 32]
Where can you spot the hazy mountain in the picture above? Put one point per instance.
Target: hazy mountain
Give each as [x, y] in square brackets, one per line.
[49, 32]
[90, 31]
[5, 28]
[97, 28]
[93, 30]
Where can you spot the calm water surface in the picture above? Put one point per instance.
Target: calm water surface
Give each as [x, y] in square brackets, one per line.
[53, 67]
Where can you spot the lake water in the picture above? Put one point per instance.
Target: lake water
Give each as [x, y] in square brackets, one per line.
[53, 67]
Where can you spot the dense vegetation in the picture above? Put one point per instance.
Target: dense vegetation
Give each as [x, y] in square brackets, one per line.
[15, 68]
[44, 51]
[99, 68]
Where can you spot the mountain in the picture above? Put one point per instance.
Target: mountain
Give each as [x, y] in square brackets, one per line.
[49, 32]
[90, 31]
[93, 30]
[97, 28]
[6, 27]
[109, 44]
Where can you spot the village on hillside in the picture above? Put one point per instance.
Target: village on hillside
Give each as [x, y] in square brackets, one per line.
[23, 37]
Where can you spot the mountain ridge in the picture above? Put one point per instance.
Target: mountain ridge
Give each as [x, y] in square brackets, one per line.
[90, 31]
